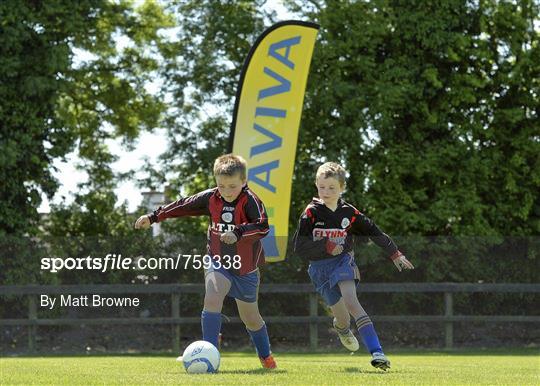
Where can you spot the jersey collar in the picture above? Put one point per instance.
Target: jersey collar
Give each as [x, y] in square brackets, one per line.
[320, 203]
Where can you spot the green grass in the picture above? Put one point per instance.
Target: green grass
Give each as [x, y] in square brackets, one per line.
[509, 367]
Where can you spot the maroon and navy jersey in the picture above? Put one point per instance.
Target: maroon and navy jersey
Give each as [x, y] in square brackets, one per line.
[320, 229]
[245, 216]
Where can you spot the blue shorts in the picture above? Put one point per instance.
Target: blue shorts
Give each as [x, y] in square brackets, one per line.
[245, 287]
[326, 274]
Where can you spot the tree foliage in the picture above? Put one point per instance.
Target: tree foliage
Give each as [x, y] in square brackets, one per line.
[437, 102]
[431, 106]
[201, 71]
[66, 85]
[52, 105]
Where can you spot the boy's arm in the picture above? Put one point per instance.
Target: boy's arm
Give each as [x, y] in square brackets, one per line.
[304, 245]
[195, 205]
[363, 225]
[257, 226]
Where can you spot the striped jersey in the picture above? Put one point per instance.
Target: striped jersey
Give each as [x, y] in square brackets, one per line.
[320, 229]
[246, 217]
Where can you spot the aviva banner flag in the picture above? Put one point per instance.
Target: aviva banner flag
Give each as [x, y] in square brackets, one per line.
[267, 116]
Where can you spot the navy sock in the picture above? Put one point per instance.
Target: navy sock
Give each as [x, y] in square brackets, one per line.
[261, 341]
[368, 334]
[211, 326]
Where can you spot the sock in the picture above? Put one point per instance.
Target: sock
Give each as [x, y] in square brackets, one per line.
[368, 334]
[211, 326]
[261, 341]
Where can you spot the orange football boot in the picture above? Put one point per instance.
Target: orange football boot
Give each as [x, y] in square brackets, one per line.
[268, 362]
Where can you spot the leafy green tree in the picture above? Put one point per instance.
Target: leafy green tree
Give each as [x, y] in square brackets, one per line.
[201, 72]
[67, 85]
[436, 101]
[52, 104]
[34, 50]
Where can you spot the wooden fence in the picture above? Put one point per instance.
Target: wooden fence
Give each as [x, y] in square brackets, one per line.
[313, 319]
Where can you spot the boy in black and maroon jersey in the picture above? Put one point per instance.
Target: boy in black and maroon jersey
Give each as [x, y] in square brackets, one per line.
[238, 222]
[325, 237]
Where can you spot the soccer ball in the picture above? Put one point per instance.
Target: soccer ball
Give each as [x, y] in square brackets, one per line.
[201, 357]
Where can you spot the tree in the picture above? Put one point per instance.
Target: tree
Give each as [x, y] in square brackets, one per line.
[426, 96]
[417, 92]
[436, 103]
[201, 73]
[53, 104]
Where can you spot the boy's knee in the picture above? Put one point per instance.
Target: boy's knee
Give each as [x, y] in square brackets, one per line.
[213, 302]
[351, 301]
[253, 322]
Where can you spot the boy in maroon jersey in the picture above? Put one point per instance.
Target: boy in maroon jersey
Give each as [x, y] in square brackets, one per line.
[238, 221]
[325, 237]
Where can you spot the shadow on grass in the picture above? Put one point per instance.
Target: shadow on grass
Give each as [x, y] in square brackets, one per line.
[232, 372]
[362, 371]
[253, 372]
[84, 355]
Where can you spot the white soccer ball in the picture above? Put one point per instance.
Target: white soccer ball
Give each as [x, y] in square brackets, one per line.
[201, 357]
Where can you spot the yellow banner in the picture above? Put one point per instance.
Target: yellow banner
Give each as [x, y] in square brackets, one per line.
[267, 116]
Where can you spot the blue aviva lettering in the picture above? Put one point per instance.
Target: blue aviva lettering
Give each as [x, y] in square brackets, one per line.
[280, 51]
[261, 174]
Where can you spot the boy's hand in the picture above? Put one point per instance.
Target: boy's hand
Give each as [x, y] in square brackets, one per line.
[228, 237]
[401, 262]
[337, 250]
[142, 222]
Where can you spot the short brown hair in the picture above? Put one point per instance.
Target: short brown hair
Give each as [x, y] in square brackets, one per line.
[334, 170]
[229, 165]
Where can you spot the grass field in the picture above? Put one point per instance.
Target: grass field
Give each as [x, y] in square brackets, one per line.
[509, 367]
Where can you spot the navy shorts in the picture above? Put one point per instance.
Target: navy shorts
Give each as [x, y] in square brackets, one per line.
[326, 274]
[243, 287]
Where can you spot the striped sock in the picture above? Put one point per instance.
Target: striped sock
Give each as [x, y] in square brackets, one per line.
[363, 321]
[368, 334]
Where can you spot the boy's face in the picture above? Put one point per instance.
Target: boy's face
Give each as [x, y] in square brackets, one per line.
[329, 189]
[230, 186]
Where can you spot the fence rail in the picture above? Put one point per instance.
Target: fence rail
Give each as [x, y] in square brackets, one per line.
[313, 319]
